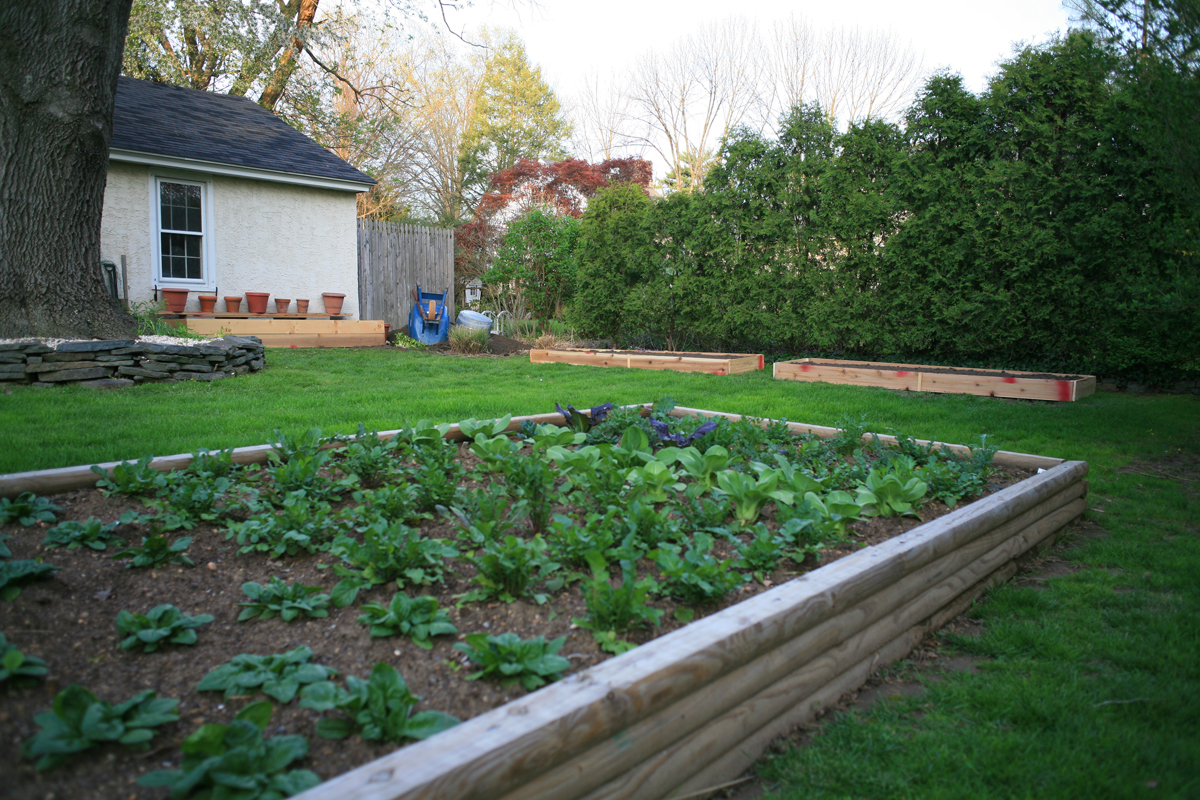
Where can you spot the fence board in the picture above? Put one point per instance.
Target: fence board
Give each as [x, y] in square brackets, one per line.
[393, 259]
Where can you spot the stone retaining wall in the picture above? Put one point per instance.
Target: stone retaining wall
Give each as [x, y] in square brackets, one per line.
[113, 364]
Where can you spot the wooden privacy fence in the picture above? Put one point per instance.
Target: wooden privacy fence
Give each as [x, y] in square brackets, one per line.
[393, 259]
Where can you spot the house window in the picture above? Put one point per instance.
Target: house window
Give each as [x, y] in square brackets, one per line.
[181, 230]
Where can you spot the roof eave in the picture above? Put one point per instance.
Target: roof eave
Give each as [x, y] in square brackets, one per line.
[236, 171]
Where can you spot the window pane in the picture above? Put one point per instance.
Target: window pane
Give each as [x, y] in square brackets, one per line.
[181, 256]
[179, 205]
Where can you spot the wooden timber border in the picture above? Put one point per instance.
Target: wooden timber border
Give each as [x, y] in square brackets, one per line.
[280, 331]
[923, 378]
[691, 710]
[713, 363]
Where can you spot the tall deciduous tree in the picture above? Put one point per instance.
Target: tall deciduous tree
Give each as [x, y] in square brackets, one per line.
[516, 116]
[59, 62]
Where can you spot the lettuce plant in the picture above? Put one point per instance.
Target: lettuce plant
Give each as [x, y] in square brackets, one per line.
[79, 721]
[161, 625]
[237, 761]
[510, 659]
[703, 468]
[749, 494]
[380, 708]
[571, 541]
[654, 482]
[418, 618]
[888, 495]
[761, 554]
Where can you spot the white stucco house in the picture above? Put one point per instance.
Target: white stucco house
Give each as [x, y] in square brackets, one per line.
[214, 193]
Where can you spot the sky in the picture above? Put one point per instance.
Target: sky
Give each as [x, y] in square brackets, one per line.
[570, 38]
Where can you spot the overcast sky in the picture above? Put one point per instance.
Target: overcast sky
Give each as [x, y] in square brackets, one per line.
[569, 38]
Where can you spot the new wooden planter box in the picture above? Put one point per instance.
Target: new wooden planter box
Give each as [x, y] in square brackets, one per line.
[921, 378]
[694, 708]
[295, 331]
[714, 363]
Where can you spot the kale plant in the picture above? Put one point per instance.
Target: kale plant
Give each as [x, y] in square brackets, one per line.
[511, 659]
[79, 721]
[163, 624]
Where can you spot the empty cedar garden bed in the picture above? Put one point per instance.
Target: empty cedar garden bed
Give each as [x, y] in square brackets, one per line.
[343, 597]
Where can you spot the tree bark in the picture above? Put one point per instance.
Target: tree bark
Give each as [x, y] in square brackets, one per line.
[59, 63]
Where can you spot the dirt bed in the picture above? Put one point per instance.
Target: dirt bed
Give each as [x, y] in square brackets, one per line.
[993, 373]
[69, 621]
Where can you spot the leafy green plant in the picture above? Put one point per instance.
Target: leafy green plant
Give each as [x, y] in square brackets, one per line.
[472, 428]
[705, 514]
[381, 708]
[156, 551]
[388, 552]
[79, 721]
[93, 533]
[632, 451]
[982, 455]
[830, 515]
[646, 526]
[531, 480]
[303, 523]
[214, 464]
[129, 477]
[287, 447]
[26, 509]
[370, 459]
[279, 676]
[950, 481]
[236, 761]
[571, 541]
[15, 666]
[511, 659]
[397, 502]
[888, 494]
[696, 577]
[703, 468]
[614, 610]
[749, 494]
[510, 569]
[289, 602]
[192, 498]
[16, 574]
[579, 422]
[494, 451]
[164, 624]
[425, 433]
[545, 437]
[418, 618]
[761, 554]
[485, 516]
[654, 482]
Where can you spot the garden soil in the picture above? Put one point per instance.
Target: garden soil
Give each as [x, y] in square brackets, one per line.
[69, 622]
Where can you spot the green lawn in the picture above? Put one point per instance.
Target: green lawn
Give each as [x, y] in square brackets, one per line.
[1091, 686]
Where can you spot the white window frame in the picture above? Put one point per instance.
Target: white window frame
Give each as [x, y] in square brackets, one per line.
[208, 261]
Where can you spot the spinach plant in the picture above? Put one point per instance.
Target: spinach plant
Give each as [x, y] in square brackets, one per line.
[418, 618]
[156, 551]
[289, 602]
[279, 676]
[571, 541]
[129, 478]
[371, 460]
[161, 625]
[761, 554]
[484, 516]
[79, 721]
[27, 509]
[511, 659]
[236, 761]
[614, 610]
[16, 574]
[398, 502]
[510, 569]
[15, 666]
[696, 577]
[304, 523]
[93, 533]
[380, 708]
[494, 451]
[532, 480]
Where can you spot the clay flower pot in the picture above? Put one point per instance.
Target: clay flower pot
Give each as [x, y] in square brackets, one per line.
[281, 304]
[302, 306]
[208, 303]
[256, 302]
[233, 304]
[176, 299]
[333, 302]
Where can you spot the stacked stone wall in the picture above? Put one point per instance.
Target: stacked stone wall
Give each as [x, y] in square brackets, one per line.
[115, 364]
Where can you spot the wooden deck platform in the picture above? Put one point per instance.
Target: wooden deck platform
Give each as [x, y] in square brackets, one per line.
[924, 378]
[712, 363]
[293, 330]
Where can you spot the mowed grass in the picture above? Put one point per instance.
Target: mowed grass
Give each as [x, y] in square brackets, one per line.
[1090, 686]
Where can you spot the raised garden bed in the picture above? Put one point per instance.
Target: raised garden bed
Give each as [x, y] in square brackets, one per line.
[277, 330]
[681, 711]
[713, 363]
[922, 378]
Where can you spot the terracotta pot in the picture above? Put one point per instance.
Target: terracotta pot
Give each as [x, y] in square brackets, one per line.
[333, 302]
[302, 306]
[176, 299]
[233, 304]
[256, 302]
[281, 304]
[208, 303]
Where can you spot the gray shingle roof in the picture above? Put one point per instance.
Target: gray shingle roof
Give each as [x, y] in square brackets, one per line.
[185, 123]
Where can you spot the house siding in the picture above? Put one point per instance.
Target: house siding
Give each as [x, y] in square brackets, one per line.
[291, 241]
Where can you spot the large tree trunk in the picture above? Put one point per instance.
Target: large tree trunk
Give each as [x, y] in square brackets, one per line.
[59, 62]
